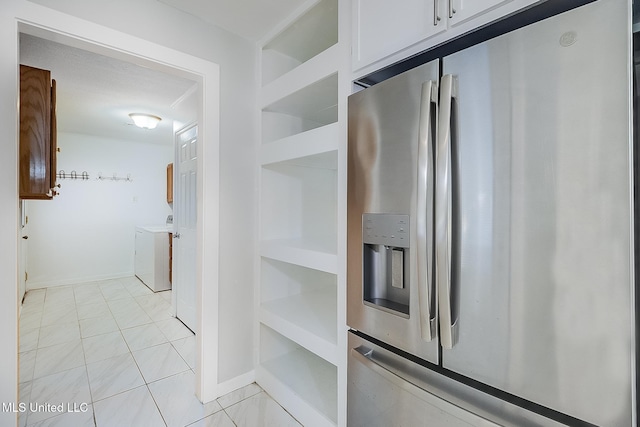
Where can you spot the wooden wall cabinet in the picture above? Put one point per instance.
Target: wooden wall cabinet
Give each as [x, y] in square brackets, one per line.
[37, 134]
[170, 183]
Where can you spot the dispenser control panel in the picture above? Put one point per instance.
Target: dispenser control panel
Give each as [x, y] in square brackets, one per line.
[386, 229]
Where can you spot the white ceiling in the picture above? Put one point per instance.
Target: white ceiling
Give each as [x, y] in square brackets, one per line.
[95, 93]
[251, 19]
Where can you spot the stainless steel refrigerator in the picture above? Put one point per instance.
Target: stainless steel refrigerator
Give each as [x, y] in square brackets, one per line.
[490, 232]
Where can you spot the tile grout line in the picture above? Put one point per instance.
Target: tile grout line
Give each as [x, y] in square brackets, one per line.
[84, 357]
[151, 306]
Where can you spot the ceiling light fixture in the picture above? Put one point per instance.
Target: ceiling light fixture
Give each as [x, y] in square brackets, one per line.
[145, 121]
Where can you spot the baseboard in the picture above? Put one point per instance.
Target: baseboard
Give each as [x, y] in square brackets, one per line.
[31, 285]
[236, 383]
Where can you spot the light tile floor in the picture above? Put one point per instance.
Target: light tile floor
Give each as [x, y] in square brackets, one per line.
[111, 354]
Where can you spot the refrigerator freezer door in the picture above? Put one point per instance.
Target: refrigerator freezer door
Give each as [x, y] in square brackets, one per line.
[390, 197]
[541, 252]
[385, 389]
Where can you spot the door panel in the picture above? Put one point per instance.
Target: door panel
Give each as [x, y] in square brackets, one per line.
[541, 196]
[383, 155]
[185, 218]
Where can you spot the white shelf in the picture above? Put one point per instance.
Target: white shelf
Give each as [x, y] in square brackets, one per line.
[306, 74]
[304, 38]
[298, 204]
[314, 142]
[308, 319]
[317, 255]
[301, 359]
[303, 383]
[308, 108]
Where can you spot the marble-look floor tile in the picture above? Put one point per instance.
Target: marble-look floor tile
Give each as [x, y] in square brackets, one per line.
[97, 326]
[123, 306]
[114, 375]
[56, 314]
[104, 346]
[219, 419]
[93, 309]
[57, 358]
[186, 347]
[114, 291]
[131, 318]
[61, 294]
[58, 334]
[174, 329]
[155, 306]
[88, 295]
[67, 387]
[239, 395]
[150, 301]
[179, 406]
[24, 393]
[137, 289]
[132, 408]
[166, 295]
[159, 362]
[86, 288]
[28, 340]
[31, 307]
[30, 320]
[261, 410]
[143, 336]
[26, 365]
[35, 296]
[130, 280]
[79, 417]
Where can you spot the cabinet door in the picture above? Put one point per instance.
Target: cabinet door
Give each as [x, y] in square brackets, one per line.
[170, 183]
[37, 134]
[462, 10]
[383, 27]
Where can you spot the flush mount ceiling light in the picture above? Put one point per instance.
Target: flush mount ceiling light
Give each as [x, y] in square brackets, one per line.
[145, 121]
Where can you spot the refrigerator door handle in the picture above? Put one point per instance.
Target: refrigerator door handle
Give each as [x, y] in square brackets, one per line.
[424, 209]
[448, 323]
[366, 356]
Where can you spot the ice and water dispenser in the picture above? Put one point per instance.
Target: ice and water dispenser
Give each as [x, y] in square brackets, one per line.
[385, 239]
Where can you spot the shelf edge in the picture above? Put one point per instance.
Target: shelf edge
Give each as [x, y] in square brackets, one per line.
[317, 260]
[316, 141]
[317, 68]
[317, 345]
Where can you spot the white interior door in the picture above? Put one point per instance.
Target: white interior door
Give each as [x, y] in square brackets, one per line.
[185, 218]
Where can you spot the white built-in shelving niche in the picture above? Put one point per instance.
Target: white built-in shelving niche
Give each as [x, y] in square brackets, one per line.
[300, 347]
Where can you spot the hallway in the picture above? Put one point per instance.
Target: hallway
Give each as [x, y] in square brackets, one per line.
[112, 355]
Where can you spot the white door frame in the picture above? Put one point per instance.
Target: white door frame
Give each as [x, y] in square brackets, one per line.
[43, 22]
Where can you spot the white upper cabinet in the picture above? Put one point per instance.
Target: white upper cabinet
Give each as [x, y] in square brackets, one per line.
[461, 10]
[382, 27]
[385, 32]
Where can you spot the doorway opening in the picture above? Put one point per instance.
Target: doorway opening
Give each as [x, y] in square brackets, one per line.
[206, 75]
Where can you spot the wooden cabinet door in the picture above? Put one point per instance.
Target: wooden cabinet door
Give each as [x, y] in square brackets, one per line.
[170, 183]
[37, 134]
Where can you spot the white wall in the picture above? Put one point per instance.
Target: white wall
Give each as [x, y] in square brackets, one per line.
[157, 22]
[8, 210]
[162, 25]
[88, 231]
